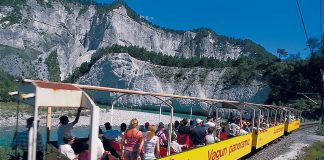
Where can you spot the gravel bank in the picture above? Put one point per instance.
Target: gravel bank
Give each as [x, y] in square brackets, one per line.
[119, 117]
[288, 147]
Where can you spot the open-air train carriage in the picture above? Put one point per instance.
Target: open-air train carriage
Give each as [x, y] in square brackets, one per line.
[266, 130]
[51, 94]
[293, 120]
[232, 148]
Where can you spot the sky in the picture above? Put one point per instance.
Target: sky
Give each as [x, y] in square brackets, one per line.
[273, 24]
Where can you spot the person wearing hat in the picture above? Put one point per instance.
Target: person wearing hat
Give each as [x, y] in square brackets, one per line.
[198, 134]
[66, 148]
[21, 141]
[66, 128]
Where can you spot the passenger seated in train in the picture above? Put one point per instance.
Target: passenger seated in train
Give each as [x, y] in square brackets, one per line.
[184, 132]
[161, 134]
[150, 144]
[123, 128]
[198, 134]
[175, 146]
[222, 133]
[184, 128]
[66, 148]
[246, 126]
[141, 128]
[99, 144]
[210, 138]
[231, 128]
[66, 128]
[176, 126]
[192, 124]
[209, 123]
[146, 125]
[21, 141]
[110, 134]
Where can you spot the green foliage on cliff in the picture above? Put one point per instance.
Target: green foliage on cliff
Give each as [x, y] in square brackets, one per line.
[6, 85]
[106, 8]
[53, 67]
[165, 60]
[14, 16]
[12, 3]
[84, 8]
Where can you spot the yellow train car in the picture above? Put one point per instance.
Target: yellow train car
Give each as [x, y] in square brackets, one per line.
[73, 96]
[261, 138]
[229, 149]
[291, 126]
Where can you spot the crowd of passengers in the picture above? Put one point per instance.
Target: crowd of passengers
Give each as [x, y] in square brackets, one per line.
[142, 141]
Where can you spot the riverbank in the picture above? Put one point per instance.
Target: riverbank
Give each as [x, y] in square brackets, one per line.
[118, 117]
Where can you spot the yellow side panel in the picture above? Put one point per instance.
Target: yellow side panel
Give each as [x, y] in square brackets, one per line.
[230, 149]
[263, 137]
[291, 126]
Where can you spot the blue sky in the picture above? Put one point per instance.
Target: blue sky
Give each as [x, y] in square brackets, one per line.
[271, 23]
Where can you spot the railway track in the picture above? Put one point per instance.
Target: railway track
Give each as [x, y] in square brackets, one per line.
[307, 125]
[282, 144]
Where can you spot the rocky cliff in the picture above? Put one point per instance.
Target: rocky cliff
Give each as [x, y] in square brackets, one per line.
[122, 71]
[76, 30]
[36, 37]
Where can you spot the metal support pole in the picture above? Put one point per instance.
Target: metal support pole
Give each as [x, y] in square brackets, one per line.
[170, 133]
[259, 119]
[112, 113]
[160, 113]
[190, 113]
[253, 119]
[48, 125]
[34, 137]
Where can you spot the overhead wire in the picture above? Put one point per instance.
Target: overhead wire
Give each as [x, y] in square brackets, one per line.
[303, 23]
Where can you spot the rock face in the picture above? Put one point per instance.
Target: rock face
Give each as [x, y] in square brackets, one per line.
[122, 71]
[75, 31]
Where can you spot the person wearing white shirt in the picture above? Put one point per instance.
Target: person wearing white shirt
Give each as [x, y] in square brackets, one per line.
[209, 123]
[66, 148]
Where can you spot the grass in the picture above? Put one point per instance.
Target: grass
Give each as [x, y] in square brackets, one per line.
[313, 152]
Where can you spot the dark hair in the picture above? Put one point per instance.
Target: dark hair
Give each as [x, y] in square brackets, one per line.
[29, 122]
[191, 122]
[123, 127]
[64, 120]
[210, 130]
[147, 124]
[107, 126]
[176, 124]
[67, 138]
[100, 131]
[185, 121]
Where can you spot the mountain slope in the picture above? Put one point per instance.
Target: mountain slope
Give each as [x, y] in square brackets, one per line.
[75, 31]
